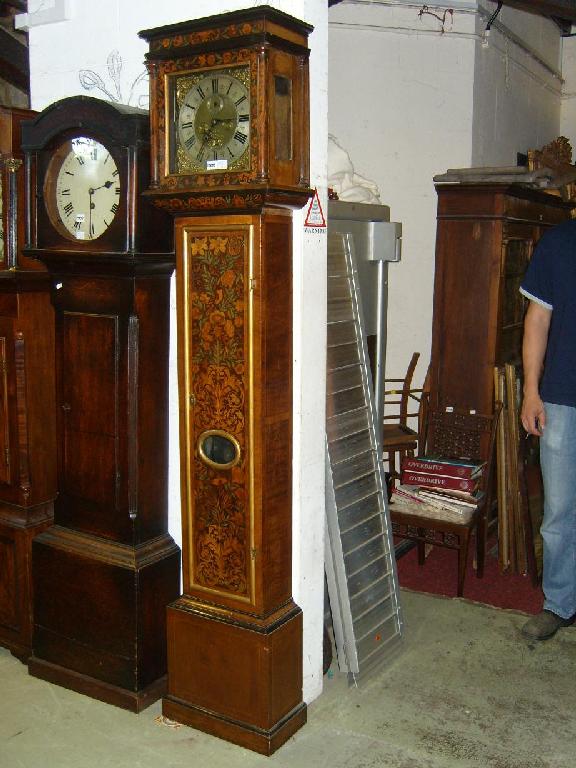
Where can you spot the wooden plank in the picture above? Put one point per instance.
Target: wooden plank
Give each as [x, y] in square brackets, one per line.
[503, 522]
[514, 485]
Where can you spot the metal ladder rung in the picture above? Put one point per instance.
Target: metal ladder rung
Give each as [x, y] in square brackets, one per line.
[367, 564]
[376, 537]
[352, 456]
[367, 611]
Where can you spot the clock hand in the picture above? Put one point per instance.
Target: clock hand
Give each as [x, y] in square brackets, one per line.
[106, 184]
[91, 206]
[204, 142]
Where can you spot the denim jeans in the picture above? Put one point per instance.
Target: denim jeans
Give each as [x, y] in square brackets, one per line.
[558, 462]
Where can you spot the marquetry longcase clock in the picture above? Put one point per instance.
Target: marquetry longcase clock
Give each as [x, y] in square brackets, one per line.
[27, 400]
[105, 571]
[229, 113]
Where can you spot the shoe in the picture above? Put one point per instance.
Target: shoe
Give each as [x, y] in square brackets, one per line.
[545, 625]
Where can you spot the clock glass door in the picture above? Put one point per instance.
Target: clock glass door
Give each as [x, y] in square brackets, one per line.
[82, 189]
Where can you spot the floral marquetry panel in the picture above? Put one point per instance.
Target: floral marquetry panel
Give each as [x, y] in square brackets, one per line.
[215, 278]
[234, 307]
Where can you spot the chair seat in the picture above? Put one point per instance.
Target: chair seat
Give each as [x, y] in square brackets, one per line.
[427, 524]
[398, 434]
[417, 513]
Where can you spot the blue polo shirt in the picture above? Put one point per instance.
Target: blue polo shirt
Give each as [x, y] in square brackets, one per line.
[550, 280]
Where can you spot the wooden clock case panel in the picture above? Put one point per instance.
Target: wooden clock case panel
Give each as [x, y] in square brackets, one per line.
[27, 398]
[107, 568]
[105, 571]
[112, 380]
[236, 377]
[274, 46]
[486, 234]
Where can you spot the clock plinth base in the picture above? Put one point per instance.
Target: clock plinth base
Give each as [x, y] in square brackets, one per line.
[256, 739]
[133, 701]
[18, 526]
[235, 676]
[113, 649]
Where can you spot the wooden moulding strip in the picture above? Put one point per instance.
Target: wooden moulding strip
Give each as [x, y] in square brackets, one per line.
[513, 406]
[503, 529]
[509, 482]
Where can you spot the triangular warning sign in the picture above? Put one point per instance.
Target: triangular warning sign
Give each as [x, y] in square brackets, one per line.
[314, 215]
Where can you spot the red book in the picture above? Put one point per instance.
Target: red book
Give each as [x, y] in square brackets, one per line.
[433, 480]
[441, 466]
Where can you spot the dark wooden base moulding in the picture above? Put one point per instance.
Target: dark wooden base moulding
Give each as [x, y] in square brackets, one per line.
[113, 649]
[266, 742]
[255, 700]
[134, 701]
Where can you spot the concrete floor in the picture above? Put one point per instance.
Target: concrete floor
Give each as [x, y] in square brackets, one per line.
[465, 691]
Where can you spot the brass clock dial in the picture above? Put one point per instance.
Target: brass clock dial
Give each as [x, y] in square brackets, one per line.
[213, 121]
[82, 189]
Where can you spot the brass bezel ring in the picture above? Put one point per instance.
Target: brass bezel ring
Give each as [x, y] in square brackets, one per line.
[221, 433]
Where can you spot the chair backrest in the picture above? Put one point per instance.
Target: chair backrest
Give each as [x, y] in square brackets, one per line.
[460, 434]
[402, 395]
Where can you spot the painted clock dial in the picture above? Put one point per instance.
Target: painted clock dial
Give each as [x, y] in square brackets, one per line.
[213, 121]
[82, 189]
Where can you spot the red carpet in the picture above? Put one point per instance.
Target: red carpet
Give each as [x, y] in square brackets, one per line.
[438, 576]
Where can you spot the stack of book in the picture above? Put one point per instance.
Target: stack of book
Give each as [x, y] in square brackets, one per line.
[450, 484]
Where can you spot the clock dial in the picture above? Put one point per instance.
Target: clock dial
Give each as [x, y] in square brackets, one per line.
[213, 121]
[82, 189]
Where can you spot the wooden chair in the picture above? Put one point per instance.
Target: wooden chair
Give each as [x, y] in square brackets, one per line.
[455, 434]
[405, 402]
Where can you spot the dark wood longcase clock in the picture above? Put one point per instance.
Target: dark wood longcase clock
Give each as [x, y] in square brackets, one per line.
[105, 571]
[229, 115]
[27, 400]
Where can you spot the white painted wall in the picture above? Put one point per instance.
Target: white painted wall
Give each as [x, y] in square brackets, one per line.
[97, 51]
[400, 102]
[410, 97]
[517, 88]
[568, 111]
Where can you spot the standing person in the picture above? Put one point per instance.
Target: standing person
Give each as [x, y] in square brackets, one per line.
[549, 411]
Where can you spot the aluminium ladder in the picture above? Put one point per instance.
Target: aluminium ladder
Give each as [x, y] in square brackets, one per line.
[360, 561]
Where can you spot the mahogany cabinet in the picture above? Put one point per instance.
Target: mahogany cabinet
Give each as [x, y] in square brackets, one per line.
[486, 234]
[27, 399]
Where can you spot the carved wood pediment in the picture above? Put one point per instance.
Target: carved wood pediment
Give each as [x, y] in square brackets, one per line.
[557, 156]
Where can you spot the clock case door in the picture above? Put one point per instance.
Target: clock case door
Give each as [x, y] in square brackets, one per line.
[104, 573]
[27, 396]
